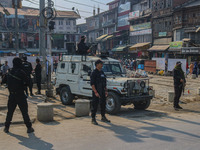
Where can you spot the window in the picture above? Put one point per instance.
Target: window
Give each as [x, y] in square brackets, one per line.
[86, 68]
[73, 67]
[60, 22]
[67, 22]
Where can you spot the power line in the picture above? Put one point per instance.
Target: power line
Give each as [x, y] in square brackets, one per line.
[62, 8]
[81, 4]
[98, 2]
[71, 9]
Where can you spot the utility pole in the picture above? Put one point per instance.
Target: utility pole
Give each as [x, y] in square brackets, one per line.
[49, 92]
[42, 41]
[16, 30]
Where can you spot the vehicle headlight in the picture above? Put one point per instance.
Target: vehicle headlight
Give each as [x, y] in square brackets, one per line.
[142, 84]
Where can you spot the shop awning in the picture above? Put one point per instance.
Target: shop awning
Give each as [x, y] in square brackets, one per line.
[139, 45]
[101, 37]
[159, 48]
[119, 49]
[186, 40]
[108, 37]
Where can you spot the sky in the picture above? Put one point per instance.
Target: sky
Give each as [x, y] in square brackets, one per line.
[85, 7]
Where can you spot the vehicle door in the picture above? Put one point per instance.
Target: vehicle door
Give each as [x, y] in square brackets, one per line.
[73, 76]
[84, 83]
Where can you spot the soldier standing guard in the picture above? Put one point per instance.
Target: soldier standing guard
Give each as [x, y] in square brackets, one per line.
[99, 92]
[28, 70]
[16, 80]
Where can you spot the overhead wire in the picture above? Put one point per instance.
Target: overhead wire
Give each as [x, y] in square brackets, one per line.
[98, 2]
[81, 4]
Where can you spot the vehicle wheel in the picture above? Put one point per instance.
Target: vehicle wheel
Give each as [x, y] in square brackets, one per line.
[113, 104]
[66, 96]
[142, 105]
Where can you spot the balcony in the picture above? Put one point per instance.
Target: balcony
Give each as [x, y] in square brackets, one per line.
[108, 23]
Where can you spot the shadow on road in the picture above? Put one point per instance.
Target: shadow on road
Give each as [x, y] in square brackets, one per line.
[129, 135]
[33, 142]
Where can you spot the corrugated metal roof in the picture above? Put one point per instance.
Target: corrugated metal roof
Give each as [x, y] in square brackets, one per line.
[159, 48]
[138, 45]
[35, 12]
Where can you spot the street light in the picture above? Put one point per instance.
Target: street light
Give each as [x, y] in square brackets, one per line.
[5, 10]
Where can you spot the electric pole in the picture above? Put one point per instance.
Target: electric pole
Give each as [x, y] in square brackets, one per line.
[49, 92]
[16, 30]
[42, 41]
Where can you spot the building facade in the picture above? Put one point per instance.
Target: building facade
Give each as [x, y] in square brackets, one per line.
[62, 37]
[186, 30]
[140, 27]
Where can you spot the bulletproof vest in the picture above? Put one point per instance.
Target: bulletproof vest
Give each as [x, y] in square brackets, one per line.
[101, 83]
[27, 68]
[14, 81]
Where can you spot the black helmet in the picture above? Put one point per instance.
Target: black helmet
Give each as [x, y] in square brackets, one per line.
[17, 62]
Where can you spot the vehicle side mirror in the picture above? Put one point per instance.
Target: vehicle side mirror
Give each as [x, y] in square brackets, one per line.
[89, 72]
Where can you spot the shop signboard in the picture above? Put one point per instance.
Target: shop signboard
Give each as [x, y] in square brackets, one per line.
[172, 64]
[140, 26]
[124, 7]
[190, 50]
[141, 32]
[123, 21]
[134, 14]
[160, 63]
[162, 34]
[177, 44]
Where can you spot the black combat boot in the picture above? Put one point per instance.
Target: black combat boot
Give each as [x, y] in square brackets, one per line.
[6, 129]
[94, 121]
[30, 130]
[104, 119]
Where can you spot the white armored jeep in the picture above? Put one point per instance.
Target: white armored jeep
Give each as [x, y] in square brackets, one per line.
[73, 81]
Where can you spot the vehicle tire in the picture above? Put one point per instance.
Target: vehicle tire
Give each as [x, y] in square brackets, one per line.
[113, 104]
[142, 105]
[66, 96]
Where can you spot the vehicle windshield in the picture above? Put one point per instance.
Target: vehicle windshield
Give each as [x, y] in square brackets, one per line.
[111, 68]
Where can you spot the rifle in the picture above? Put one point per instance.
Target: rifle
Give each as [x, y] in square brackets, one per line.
[183, 84]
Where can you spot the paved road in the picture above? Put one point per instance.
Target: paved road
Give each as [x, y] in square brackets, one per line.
[139, 130]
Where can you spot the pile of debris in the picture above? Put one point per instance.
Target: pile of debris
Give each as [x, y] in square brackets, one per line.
[136, 74]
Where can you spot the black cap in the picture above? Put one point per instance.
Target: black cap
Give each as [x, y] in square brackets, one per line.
[37, 60]
[98, 62]
[17, 62]
[178, 63]
[83, 37]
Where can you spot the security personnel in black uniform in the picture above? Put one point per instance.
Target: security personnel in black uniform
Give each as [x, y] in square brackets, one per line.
[99, 92]
[28, 70]
[179, 83]
[38, 76]
[16, 80]
[82, 48]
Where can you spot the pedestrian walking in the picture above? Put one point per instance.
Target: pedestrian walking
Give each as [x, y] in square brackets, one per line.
[99, 92]
[38, 75]
[179, 84]
[55, 64]
[28, 70]
[195, 69]
[191, 68]
[16, 80]
[5, 68]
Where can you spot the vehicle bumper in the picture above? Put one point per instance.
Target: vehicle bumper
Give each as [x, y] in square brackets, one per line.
[136, 98]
